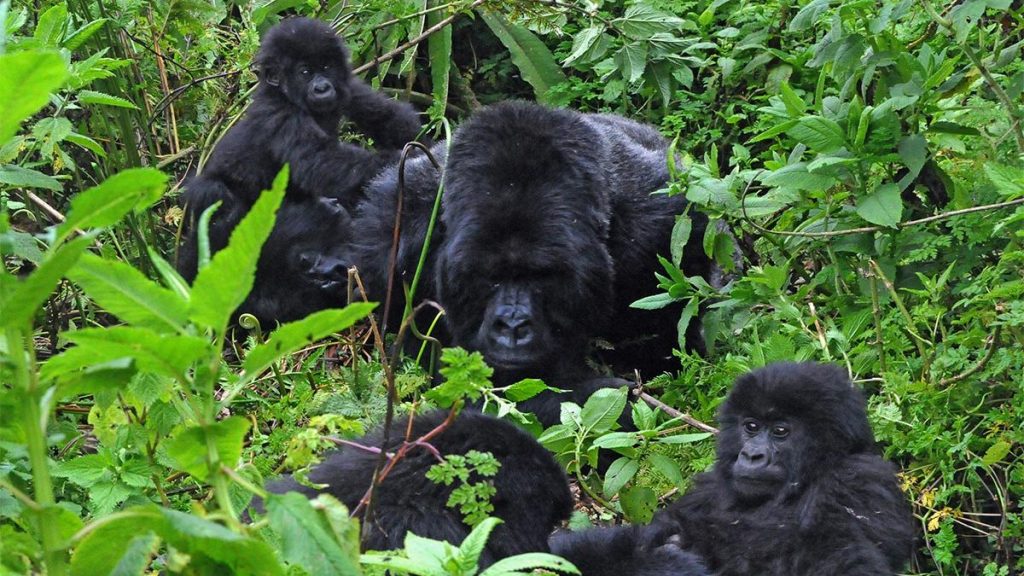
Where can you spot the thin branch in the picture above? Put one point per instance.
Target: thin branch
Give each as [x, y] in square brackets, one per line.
[655, 403]
[993, 343]
[399, 50]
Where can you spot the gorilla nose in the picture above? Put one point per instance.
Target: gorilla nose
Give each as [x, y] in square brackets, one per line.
[512, 332]
[321, 87]
[331, 270]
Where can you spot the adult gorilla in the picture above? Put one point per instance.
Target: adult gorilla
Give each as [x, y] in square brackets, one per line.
[531, 491]
[305, 89]
[797, 487]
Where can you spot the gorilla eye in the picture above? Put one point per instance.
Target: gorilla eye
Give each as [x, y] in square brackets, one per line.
[752, 426]
[304, 70]
[780, 431]
[325, 67]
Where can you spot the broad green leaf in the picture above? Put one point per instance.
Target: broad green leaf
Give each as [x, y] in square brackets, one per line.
[620, 472]
[680, 236]
[883, 206]
[638, 504]
[528, 563]
[130, 190]
[531, 56]
[84, 470]
[439, 51]
[653, 302]
[294, 335]
[111, 543]
[473, 545]
[26, 81]
[685, 317]
[1009, 180]
[75, 39]
[632, 60]
[685, 438]
[222, 285]
[308, 539]
[587, 46]
[128, 294]
[169, 355]
[19, 177]
[428, 553]
[797, 177]
[93, 97]
[526, 389]
[603, 408]
[137, 556]
[641, 21]
[20, 299]
[616, 440]
[808, 15]
[190, 453]
[819, 134]
[913, 151]
[50, 28]
[87, 143]
[668, 467]
[794, 105]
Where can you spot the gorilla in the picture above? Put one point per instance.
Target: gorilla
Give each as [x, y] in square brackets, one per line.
[797, 487]
[622, 551]
[306, 87]
[532, 492]
[303, 267]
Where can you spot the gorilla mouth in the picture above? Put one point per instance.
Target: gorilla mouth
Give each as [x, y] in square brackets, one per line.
[510, 359]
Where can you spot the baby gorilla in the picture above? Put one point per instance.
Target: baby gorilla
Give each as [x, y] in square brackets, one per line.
[532, 493]
[797, 487]
[305, 89]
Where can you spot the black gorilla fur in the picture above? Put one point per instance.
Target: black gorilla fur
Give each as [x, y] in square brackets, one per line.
[305, 89]
[797, 488]
[532, 492]
[623, 551]
[548, 233]
[303, 266]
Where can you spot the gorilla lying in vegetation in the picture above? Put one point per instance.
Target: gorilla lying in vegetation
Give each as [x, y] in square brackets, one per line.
[797, 487]
[303, 266]
[623, 551]
[532, 493]
[305, 89]
[548, 233]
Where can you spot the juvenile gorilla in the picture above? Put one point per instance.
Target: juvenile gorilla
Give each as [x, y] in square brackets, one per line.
[303, 267]
[797, 488]
[532, 493]
[305, 89]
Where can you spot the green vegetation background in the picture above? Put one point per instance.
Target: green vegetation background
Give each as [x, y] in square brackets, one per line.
[867, 154]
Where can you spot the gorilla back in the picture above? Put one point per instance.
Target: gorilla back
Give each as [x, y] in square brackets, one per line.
[532, 492]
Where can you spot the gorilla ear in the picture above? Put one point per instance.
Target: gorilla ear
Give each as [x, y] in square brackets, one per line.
[270, 75]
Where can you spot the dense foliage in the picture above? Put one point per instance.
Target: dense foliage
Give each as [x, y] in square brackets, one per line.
[868, 157]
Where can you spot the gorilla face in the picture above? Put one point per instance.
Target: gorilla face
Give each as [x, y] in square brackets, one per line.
[785, 423]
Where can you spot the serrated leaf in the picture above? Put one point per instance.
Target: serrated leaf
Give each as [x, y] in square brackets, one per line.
[641, 21]
[130, 190]
[169, 355]
[1009, 181]
[78, 37]
[189, 451]
[535, 62]
[603, 408]
[125, 292]
[294, 335]
[50, 28]
[883, 206]
[26, 81]
[526, 389]
[632, 60]
[308, 539]
[818, 133]
[93, 97]
[222, 285]
[685, 438]
[21, 299]
[586, 46]
[680, 236]
[20, 177]
[84, 470]
[528, 563]
[621, 471]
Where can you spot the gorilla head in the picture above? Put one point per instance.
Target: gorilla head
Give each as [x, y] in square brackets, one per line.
[307, 63]
[524, 273]
[304, 264]
[784, 424]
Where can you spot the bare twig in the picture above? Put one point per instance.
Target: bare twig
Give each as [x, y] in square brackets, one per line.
[655, 403]
[993, 343]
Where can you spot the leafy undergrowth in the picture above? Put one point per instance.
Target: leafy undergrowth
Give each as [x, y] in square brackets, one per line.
[867, 158]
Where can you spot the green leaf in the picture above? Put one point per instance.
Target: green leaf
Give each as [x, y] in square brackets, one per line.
[87, 143]
[1009, 180]
[668, 468]
[621, 471]
[531, 56]
[130, 190]
[685, 317]
[641, 21]
[50, 28]
[309, 539]
[294, 335]
[638, 504]
[587, 46]
[189, 449]
[439, 52]
[137, 556]
[603, 408]
[913, 151]
[526, 389]
[794, 105]
[653, 302]
[808, 15]
[616, 440]
[163, 354]
[632, 59]
[996, 453]
[20, 299]
[26, 81]
[84, 470]
[75, 39]
[93, 97]
[125, 292]
[685, 438]
[19, 177]
[222, 285]
[883, 206]
[528, 563]
[819, 134]
[681, 231]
